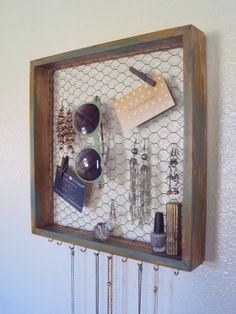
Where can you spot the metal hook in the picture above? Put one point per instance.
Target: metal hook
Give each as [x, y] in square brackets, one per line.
[97, 98]
[83, 250]
[124, 260]
[59, 243]
[140, 266]
[176, 272]
[156, 268]
[72, 250]
[96, 254]
[50, 240]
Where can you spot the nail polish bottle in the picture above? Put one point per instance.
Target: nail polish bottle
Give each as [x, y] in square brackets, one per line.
[158, 237]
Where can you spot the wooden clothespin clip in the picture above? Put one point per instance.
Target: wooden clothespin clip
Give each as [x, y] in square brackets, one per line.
[142, 76]
[64, 165]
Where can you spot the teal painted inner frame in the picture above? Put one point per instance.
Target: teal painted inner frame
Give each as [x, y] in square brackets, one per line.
[41, 105]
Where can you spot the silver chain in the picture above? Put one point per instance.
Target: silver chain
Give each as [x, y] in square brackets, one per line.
[140, 277]
[155, 290]
[97, 281]
[109, 284]
[72, 273]
[124, 284]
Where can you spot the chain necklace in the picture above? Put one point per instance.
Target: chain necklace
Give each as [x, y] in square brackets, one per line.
[124, 284]
[72, 273]
[140, 276]
[109, 283]
[155, 290]
[97, 281]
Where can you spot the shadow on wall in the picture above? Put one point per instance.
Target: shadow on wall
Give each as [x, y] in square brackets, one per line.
[214, 100]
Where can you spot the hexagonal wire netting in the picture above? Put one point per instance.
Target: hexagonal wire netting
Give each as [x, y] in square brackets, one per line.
[110, 80]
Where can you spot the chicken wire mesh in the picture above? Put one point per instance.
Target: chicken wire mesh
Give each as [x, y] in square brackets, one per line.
[110, 80]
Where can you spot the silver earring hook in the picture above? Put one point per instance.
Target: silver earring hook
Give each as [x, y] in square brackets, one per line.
[176, 272]
[140, 266]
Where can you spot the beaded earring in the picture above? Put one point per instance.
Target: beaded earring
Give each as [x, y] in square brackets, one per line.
[64, 129]
[70, 133]
[60, 127]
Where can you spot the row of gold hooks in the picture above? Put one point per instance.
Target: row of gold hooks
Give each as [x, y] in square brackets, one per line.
[124, 259]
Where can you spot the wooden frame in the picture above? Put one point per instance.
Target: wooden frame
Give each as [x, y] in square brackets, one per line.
[195, 137]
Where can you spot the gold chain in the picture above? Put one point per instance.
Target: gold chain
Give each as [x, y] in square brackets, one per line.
[140, 276]
[155, 290]
[109, 284]
[97, 281]
[72, 254]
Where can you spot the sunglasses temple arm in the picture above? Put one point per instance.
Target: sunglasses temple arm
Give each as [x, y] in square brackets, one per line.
[104, 152]
[105, 149]
[102, 139]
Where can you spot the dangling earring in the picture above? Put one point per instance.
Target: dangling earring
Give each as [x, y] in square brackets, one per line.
[134, 184]
[144, 186]
[70, 133]
[60, 127]
[173, 177]
[112, 220]
[64, 129]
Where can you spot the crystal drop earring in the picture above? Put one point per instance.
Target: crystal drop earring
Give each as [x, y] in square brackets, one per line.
[112, 220]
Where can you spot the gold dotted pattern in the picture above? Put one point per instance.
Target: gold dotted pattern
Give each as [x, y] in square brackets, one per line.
[143, 103]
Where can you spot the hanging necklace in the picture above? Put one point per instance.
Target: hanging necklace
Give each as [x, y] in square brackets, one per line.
[72, 274]
[155, 290]
[140, 277]
[124, 284]
[109, 284]
[97, 281]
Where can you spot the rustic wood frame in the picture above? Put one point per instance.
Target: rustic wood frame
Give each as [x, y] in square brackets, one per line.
[195, 139]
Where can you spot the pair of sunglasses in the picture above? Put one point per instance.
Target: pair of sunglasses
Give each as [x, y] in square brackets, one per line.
[87, 120]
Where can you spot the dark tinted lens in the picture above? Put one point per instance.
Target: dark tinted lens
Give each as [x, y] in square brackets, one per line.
[86, 118]
[88, 165]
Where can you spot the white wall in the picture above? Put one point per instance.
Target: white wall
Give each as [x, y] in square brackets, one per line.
[35, 275]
